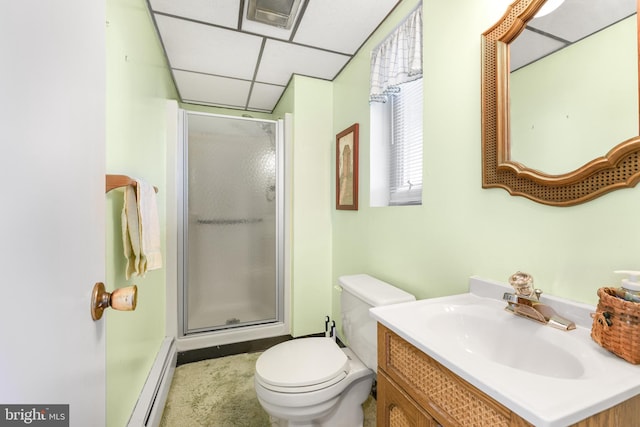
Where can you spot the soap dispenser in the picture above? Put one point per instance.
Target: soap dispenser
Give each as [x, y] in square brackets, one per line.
[630, 289]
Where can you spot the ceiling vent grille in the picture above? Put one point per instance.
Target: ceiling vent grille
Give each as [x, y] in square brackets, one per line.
[278, 13]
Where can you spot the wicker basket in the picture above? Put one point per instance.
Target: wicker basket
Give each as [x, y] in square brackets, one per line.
[616, 325]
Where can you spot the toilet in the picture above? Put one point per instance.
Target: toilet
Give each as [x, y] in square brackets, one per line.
[314, 382]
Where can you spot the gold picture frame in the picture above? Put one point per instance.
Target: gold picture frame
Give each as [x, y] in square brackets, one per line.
[347, 169]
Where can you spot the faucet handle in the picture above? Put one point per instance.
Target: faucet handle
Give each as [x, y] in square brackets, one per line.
[522, 283]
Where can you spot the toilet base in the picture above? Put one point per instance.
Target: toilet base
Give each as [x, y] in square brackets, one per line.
[346, 412]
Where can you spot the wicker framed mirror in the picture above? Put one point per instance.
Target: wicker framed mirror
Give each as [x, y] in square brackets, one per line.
[615, 169]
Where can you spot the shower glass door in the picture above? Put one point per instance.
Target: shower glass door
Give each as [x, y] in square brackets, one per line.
[231, 223]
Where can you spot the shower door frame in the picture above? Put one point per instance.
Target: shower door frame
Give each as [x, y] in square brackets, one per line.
[183, 231]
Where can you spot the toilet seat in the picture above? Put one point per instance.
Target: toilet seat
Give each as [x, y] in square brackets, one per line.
[302, 365]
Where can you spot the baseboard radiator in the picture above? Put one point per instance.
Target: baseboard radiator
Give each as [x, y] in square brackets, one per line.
[148, 409]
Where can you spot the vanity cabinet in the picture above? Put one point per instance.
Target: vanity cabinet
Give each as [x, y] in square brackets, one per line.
[416, 390]
[396, 408]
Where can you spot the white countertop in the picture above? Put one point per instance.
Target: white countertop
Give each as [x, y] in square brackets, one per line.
[552, 391]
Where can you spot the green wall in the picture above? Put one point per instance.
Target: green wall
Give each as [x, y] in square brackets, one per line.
[138, 84]
[311, 102]
[461, 229]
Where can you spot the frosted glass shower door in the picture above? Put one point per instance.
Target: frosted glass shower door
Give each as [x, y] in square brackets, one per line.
[231, 275]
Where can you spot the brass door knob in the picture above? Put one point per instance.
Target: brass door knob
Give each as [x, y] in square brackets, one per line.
[123, 299]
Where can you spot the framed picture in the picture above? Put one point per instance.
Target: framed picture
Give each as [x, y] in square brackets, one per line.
[347, 169]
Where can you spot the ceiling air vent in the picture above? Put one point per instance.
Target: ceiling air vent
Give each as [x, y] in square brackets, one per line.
[278, 13]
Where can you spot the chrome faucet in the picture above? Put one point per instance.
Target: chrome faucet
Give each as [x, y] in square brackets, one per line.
[525, 302]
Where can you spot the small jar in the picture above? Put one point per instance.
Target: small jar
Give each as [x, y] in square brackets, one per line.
[630, 288]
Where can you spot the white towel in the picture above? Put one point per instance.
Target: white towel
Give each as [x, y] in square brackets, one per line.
[141, 230]
[130, 231]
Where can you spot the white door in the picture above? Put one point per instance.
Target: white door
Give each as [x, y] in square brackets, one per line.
[52, 143]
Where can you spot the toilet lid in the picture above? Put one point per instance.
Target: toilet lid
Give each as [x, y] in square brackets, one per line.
[301, 363]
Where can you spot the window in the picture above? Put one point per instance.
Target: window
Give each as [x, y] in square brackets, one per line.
[405, 153]
[396, 115]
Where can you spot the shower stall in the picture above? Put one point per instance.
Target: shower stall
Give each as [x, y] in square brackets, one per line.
[230, 234]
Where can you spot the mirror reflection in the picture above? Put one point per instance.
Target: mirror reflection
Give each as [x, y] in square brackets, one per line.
[573, 84]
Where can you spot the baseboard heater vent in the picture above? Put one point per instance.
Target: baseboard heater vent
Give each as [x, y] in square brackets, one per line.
[148, 409]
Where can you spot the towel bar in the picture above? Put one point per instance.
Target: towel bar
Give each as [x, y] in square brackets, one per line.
[117, 181]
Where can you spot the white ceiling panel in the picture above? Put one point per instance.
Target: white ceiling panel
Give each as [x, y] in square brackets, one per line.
[264, 97]
[212, 90]
[530, 46]
[341, 26]
[576, 19]
[217, 61]
[208, 49]
[281, 60]
[327, 35]
[571, 22]
[218, 12]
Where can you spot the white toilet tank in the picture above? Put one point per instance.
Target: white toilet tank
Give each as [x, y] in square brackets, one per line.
[360, 292]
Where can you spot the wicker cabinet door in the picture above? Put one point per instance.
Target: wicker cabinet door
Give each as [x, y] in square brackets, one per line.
[396, 409]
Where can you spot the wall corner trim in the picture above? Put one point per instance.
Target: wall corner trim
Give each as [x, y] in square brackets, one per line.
[150, 405]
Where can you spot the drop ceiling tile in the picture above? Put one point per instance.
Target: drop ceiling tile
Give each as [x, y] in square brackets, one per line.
[280, 60]
[215, 63]
[576, 19]
[207, 49]
[265, 97]
[341, 26]
[218, 12]
[530, 46]
[212, 90]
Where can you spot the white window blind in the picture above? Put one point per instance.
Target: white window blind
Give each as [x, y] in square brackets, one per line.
[405, 154]
[396, 83]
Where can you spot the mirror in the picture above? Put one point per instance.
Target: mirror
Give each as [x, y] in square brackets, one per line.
[517, 140]
[582, 51]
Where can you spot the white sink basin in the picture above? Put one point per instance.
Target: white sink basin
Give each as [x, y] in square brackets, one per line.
[548, 376]
[485, 331]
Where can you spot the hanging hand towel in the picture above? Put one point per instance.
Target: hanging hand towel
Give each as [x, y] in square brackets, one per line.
[141, 230]
[130, 231]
